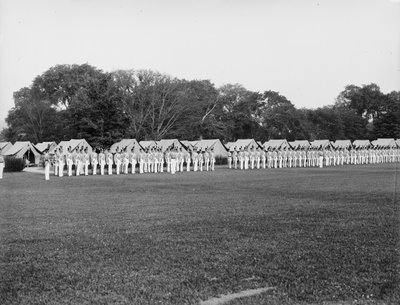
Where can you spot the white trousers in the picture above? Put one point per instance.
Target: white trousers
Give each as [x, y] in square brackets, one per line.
[1, 170]
[61, 168]
[47, 171]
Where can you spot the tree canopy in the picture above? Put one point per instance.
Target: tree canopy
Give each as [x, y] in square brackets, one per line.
[81, 101]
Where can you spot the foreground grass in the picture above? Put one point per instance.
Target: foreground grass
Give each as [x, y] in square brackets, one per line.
[315, 235]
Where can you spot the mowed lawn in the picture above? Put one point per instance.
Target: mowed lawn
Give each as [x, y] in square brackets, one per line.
[315, 235]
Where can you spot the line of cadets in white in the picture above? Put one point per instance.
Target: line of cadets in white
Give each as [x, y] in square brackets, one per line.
[148, 161]
[256, 158]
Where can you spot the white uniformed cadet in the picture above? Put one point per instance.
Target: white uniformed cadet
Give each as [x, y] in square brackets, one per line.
[109, 161]
[212, 159]
[235, 157]
[229, 159]
[1, 165]
[102, 161]
[187, 160]
[94, 161]
[263, 157]
[132, 159]
[46, 160]
[206, 157]
[70, 161]
[61, 162]
[252, 157]
[195, 159]
[56, 157]
[117, 161]
[173, 156]
[161, 160]
[200, 158]
[86, 158]
[141, 161]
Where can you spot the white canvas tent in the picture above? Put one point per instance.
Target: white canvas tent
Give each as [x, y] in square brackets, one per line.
[148, 144]
[342, 144]
[74, 144]
[299, 144]
[169, 143]
[126, 143]
[25, 150]
[385, 143]
[4, 146]
[46, 146]
[321, 144]
[398, 142]
[217, 146]
[276, 144]
[361, 144]
[244, 144]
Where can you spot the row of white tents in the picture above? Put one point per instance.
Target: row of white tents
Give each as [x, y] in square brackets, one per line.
[31, 153]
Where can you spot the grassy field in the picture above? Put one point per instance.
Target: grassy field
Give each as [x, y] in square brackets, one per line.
[315, 235]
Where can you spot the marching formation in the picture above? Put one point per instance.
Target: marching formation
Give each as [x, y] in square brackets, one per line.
[256, 158]
[81, 162]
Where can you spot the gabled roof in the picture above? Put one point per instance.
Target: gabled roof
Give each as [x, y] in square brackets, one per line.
[342, 144]
[276, 144]
[361, 143]
[230, 145]
[245, 143]
[126, 143]
[169, 143]
[43, 146]
[4, 146]
[217, 146]
[384, 142]
[148, 144]
[299, 144]
[20, 148]
[321, 144]
[73, 143]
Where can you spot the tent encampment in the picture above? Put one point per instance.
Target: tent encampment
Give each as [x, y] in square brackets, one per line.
[164, 144]
[75, 144]
[217, 146]
[148, 144]
[25, 150]
[46, 146]
[361, 144]
[244, 144]
[276, 144]
[316, 144]
[299, 144]
[4, 146]
[342, 144]
[126, 143]
[385, 143]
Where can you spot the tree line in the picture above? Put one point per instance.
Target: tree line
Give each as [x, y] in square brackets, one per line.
[81, 101]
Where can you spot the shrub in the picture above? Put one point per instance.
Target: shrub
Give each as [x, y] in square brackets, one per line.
[13, 164]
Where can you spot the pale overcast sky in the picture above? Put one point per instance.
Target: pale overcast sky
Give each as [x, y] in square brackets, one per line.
[307, 50]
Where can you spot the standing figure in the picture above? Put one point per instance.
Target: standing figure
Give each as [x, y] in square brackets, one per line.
[109, 161]
[46, 160]
[70, 161]
[94, 161]
[195, 159]
[56, 157]
[235, 158]
[61, 163]
[263, 157]
[206, 158]
[86, 158]
[1, 165]
[212, 159]
[229, 159]
[102, 161]
[201, 159]
[187, 160]
[132, 159]
[173, 156]
[117, 161]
